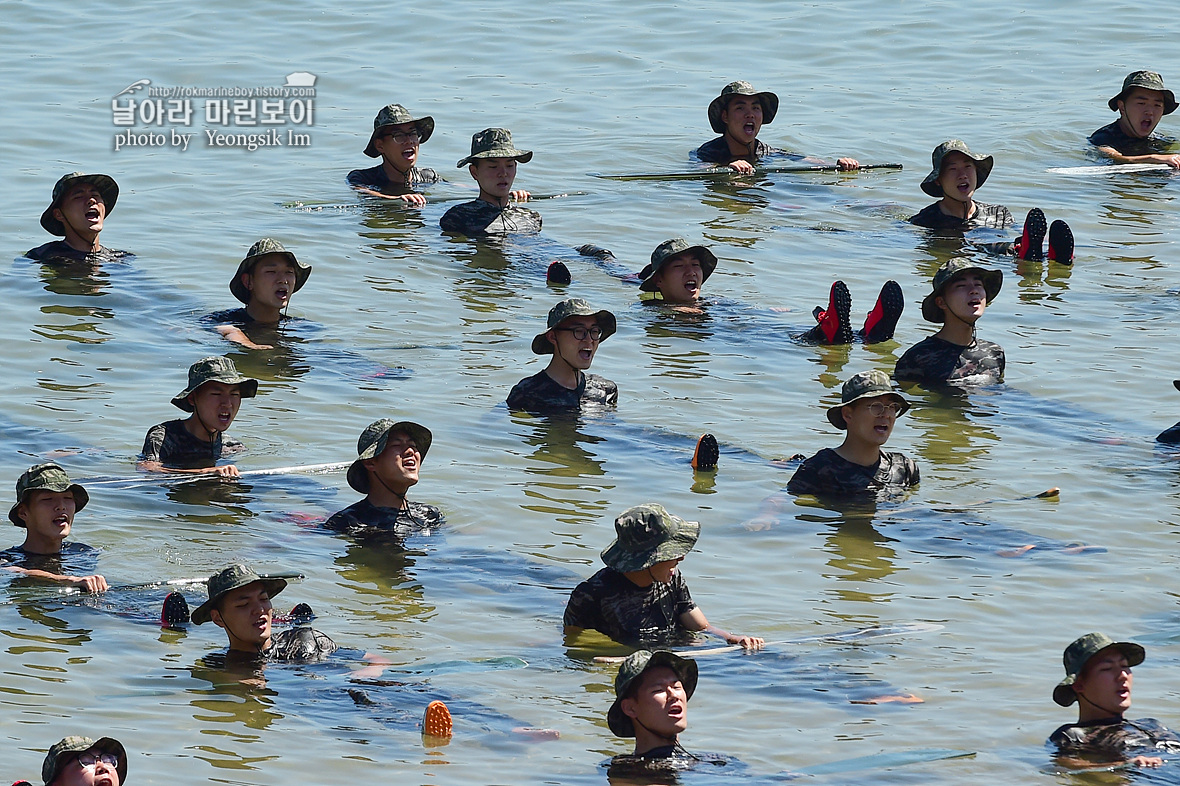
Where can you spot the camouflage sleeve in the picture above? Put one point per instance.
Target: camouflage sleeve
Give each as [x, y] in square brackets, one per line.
[805, 480]
[907, 369]
[583, 610]
[683, 598]
[612, 395]
[153, 443]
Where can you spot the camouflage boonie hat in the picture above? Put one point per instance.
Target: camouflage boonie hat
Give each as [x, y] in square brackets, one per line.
[67, 749]
[45, 477]
[719, 104]
[260, 249]
[395, 115]
[621, 725]
[1078, 653]
[372, 443]
[1148, 80]
[983, 166]
[648, 534]
[213, 369]
[226, 581]
[105, 184]
[495, 143]
[573, 307]
[866, 384]
[948, 272]
[668, 249]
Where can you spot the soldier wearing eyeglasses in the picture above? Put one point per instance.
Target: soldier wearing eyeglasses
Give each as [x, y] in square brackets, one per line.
[868, 409]
[571, 337]
[81, 761]
[396, 138]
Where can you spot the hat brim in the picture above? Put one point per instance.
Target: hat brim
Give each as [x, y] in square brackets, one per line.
[617, 557]
[621, 724]
[993, 281]
[238, 289]
[606, 323]
[104, 183]
[1169, 99]
[708, 265]
[1064, 693]
[249, 389]
[522, 156]
[983, 168]
[836, 414]
[81, 498]
[273, 586]
[425, 126]
[719, 104]
[358, 476]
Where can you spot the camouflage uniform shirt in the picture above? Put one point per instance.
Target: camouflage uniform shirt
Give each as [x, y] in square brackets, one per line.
[61, 252]
[299, 645]
[828, 474]
[1115, 737]
[364, 517]
[1113, 136]
[377, 180]
[716, 151]
[478, 217]
[936, 361]
[992, 216]
[171, 445]
[540, 393]
[612, 604]
[660, 765]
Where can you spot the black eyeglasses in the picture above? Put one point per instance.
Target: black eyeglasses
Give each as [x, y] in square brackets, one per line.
[581, 333]
[88, 760]
[400, 137]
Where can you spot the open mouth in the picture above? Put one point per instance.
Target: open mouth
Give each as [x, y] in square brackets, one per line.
[748, 128]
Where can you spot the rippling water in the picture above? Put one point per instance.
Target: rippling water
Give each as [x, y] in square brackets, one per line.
[592, 87]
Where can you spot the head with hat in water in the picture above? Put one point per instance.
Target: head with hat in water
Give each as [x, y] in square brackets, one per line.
[214, 394]
[80, 204]
[960, 292]
[739, 113]
[389, 458]
[81, 761]
[650, 539]
[267, 278]
[492, 164]
[678, 271]
[46, 502]
[652, 690]
[1098, 676]
[955, 174]
[573, 332]
[1142, 103]
[396, 137]
[240, 603]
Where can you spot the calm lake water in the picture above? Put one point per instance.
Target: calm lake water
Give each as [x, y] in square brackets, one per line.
[592, 87]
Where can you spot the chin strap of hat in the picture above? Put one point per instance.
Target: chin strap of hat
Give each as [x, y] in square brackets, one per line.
[211, 432]
[1092, 703]
[405, 506]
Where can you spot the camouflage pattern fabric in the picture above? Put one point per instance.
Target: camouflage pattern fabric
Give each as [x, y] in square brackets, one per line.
[664, 762]
[74, 559]
[540, 393]
[364, 517]
[991, 216]
[1113, 136]
[299, 645]
[934, 361]
[612, 604]
[376, 179]
[716, 151]
[826, 474]
[478, 217]
[171, 445]
[61, 252]
[1114, 738]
